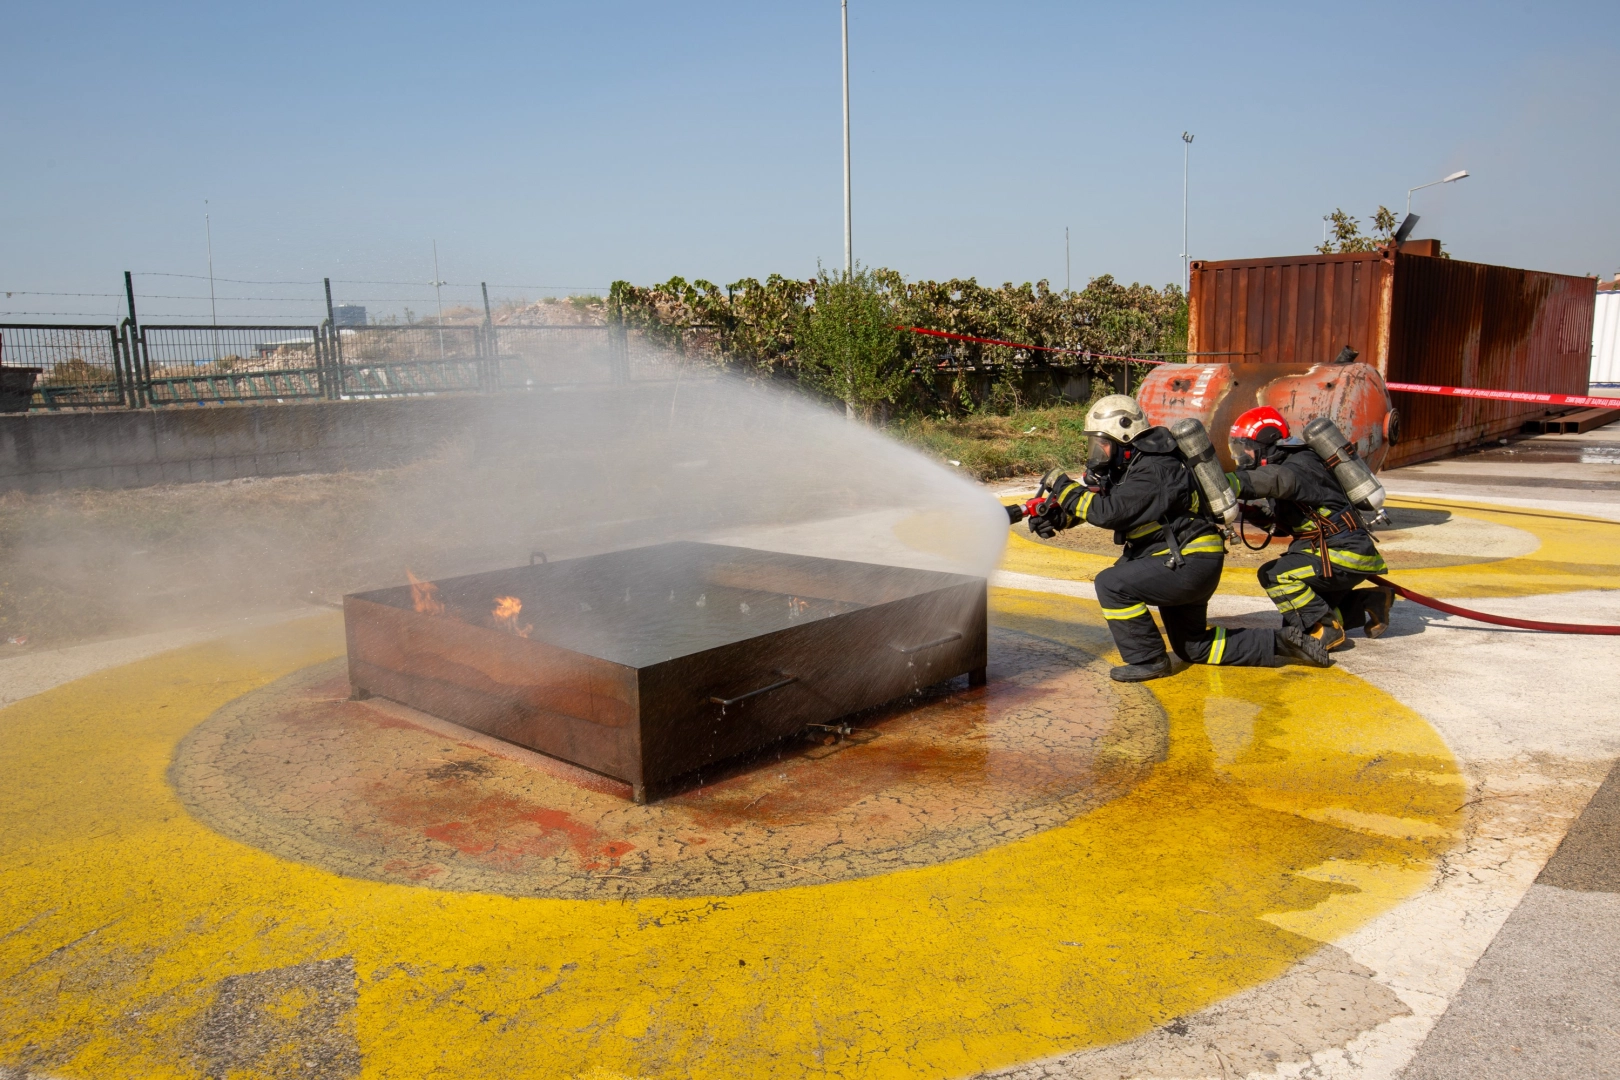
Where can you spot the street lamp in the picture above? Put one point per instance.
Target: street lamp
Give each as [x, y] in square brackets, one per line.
[1458, 175]
[1186, 268]
[849, 246]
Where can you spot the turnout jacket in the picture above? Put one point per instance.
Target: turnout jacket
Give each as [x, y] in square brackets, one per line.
[1299, 482]
[1157, 489]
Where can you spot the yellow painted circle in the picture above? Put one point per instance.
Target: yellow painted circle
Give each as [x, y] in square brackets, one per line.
[1292, 806]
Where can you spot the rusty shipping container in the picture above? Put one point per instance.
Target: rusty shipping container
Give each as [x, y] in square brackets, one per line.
[1417, 319]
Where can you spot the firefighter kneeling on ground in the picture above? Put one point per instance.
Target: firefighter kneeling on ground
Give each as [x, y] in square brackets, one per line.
[1137, 484]
[1314, 583]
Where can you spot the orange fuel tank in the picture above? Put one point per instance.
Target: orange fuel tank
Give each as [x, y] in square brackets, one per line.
[1352, 395]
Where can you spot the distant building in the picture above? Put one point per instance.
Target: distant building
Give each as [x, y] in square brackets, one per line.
[349, 315]
[1606, 340]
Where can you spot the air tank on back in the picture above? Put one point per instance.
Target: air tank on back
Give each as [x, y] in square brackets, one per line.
[1195, 446]
[1360, 486]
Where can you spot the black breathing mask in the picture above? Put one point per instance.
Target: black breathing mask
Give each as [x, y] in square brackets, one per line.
[1253, 453]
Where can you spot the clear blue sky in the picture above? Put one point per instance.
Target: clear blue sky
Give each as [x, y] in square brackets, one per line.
[569, 145]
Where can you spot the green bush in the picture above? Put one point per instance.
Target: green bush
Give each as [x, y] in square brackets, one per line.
[757, 327]
[848, 346]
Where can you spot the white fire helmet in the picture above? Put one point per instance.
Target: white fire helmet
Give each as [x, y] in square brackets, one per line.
[1117, 416]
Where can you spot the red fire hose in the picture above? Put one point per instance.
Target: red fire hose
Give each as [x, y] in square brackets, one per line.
[1499, 620]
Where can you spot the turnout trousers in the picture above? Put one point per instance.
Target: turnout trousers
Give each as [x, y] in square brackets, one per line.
[1128, 588]
[1296, 585]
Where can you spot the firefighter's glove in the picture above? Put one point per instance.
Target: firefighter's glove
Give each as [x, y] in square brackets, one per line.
[1256, 514]
[1059, 510]
[1044, 522]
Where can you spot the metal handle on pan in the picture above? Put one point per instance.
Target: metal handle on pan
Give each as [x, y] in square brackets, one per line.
[954, 635]
[727, 702]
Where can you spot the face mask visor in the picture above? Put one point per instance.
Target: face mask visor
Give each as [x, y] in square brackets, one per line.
[1100, 453]
[1245, 452]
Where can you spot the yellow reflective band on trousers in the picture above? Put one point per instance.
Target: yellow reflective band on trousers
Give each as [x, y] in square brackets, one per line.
[1143, 530]
[1217, 648]
[1290, 596]
[1132, 612]
[1352, 560]
[1299, 573]
[1204, 545]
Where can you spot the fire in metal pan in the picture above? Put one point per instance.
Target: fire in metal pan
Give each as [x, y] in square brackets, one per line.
[648, 665]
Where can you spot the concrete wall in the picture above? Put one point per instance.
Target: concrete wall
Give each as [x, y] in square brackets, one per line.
[124, 449]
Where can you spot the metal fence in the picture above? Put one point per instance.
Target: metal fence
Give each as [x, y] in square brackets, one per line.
[385, 361]
[140, 366]
[73, 366]
[195, 365]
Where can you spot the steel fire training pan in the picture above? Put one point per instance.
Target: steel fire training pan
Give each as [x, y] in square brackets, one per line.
[648, 665]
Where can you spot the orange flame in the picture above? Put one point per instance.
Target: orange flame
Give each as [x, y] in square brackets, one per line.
[424, 595]
[506, 612]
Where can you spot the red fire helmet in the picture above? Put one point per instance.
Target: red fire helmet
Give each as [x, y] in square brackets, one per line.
[1253, 422]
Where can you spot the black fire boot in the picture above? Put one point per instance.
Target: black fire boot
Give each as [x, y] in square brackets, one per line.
[1294, 643]
[1153, 669]
[1329, 633]
[1378, 607]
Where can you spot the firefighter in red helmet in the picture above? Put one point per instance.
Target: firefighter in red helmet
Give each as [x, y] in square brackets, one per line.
[1314, 583]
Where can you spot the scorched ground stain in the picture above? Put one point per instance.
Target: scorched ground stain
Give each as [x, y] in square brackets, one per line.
[302, 772]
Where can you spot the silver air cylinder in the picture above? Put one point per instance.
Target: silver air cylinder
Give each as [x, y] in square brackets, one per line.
[1360, 486]
[1195, 446]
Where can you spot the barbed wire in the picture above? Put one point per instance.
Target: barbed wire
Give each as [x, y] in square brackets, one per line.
[148, 316]
[30, 292]
[264, 299]
[302, 304]
[355, 281]
[88, 314]
[467, 285]
[145, 315]
[233, 281]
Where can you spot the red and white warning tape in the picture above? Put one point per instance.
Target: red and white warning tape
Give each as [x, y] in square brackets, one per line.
[1508, 395]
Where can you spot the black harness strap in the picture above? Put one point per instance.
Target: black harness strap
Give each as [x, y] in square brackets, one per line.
[1175, 560]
